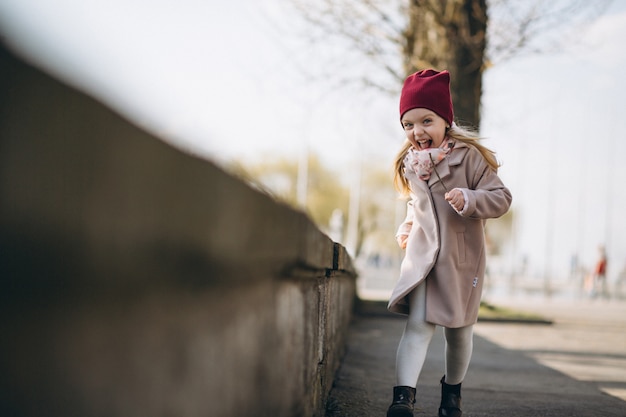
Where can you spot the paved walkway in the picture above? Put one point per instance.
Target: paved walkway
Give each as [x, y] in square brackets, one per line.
[574, 367]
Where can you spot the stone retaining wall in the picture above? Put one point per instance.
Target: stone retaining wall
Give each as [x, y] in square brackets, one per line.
[138, 280]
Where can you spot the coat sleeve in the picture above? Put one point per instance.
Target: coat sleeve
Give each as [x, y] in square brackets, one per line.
[407, 224]
[487, 195]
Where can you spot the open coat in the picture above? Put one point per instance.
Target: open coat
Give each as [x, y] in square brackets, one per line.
[445, 248]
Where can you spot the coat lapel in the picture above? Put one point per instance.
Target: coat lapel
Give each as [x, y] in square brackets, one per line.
[443, 167]
[422, 248]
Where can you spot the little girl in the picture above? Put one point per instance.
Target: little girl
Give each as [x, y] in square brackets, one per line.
[453, 186]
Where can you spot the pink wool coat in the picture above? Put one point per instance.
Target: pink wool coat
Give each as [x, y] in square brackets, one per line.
[445, 248]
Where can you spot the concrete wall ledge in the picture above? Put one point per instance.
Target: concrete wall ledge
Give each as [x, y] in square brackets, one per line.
[139, 280]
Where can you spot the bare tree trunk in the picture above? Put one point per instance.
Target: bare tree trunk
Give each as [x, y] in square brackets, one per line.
[450, 35]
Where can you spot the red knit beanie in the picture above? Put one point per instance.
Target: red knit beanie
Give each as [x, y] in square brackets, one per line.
[428, 89]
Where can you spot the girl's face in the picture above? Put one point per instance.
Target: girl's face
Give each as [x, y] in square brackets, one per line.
[424, 128]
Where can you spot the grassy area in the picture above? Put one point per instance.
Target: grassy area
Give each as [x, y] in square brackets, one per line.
[487, 312]
[492, 312]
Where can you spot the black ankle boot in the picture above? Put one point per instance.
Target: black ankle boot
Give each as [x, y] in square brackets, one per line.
[403, 400]
[450, 400]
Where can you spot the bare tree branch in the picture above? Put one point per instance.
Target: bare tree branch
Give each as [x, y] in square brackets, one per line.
[522, 28]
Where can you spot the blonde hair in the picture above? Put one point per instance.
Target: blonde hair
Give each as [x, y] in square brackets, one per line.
[461, 134]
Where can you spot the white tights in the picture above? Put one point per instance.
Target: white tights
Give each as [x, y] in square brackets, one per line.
[416, 338]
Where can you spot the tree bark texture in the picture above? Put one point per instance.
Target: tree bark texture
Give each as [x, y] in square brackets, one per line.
[450, 34]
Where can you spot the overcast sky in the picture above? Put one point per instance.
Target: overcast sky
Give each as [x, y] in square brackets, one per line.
[223, 79]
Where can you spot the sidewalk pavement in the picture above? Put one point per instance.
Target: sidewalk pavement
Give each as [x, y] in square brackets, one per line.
[575, 366]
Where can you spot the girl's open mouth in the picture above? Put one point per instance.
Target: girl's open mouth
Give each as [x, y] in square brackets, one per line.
[424, 144]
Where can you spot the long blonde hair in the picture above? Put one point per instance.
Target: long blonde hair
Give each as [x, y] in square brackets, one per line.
[462, 134]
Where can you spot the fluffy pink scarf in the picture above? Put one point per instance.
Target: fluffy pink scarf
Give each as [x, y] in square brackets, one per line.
[423, 162]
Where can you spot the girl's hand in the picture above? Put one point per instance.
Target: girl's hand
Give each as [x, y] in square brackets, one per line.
[456, 199]
[402, 241]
